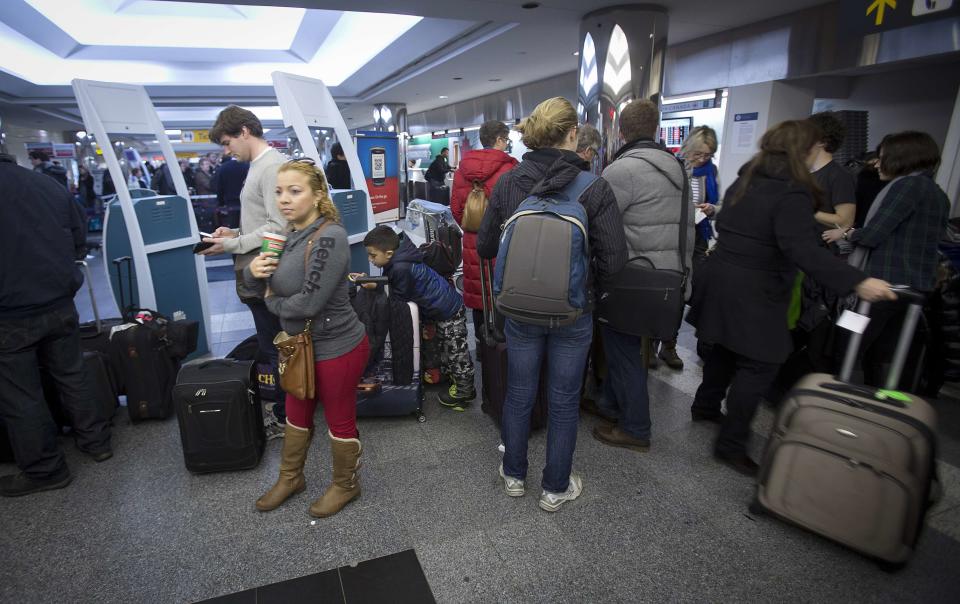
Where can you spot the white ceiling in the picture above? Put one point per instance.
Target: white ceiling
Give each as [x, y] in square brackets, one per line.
[490, 44]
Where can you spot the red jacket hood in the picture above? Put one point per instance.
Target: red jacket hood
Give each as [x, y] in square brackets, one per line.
[481, 164]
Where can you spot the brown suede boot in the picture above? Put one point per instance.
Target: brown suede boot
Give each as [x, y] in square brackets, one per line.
[296, 442]
[346, 484]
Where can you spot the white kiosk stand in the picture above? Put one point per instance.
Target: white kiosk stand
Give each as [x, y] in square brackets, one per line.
[306, 103]
[157, 232]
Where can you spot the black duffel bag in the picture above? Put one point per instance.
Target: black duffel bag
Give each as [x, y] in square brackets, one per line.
[643, 301]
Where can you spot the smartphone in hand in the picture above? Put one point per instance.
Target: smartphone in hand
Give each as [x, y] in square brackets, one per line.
[201, 245]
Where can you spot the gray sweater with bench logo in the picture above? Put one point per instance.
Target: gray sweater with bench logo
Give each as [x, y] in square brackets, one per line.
[321, 294]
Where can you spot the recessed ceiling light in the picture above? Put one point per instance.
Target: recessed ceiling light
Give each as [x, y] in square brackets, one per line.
[530, 5]
[576, 53]
[443, 96]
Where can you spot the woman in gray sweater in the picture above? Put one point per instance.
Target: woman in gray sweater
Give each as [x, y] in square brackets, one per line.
[309, 282]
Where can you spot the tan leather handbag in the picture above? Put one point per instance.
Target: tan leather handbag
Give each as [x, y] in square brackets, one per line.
[474, 207]
[295, 365]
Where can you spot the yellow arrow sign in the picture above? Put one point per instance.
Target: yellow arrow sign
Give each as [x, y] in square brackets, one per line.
[879, 6]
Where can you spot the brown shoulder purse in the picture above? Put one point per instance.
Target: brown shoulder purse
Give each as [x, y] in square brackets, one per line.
[296, 365]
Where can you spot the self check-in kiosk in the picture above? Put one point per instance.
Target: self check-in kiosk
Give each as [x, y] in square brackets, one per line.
[307, 106]
[157, 232]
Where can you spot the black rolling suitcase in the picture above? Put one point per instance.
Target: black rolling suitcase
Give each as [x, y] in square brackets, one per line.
[220, 417]
[493, 360]
[855, 464]
[391, 384]
[100, 383]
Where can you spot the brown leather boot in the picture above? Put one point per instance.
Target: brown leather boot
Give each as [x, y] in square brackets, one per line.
[668, 354]
[346, 484]
[296, 442]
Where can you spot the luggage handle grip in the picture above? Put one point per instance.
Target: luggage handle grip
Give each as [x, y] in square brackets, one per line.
[864, 391]
[380, 280]
[916, 300]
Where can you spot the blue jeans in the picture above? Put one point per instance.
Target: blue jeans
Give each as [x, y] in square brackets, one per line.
[567, 349]
[267, 325]
[627, 381]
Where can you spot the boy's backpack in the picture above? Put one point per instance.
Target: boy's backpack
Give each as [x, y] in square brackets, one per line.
[444, 251]
[543, 262]
[474, 208]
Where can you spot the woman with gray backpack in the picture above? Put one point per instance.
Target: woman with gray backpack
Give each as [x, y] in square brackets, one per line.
[556, 231]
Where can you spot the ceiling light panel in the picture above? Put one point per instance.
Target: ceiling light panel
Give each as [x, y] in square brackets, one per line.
[173, 24]
[355, 40]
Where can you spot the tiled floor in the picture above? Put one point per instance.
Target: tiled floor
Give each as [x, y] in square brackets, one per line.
[667, 525]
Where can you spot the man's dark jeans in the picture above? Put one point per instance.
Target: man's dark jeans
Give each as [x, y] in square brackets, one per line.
[627, 382]
[268, 326]
[50, 340]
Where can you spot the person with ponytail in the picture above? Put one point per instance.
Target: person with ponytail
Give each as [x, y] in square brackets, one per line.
[309, 283]
[740, 298]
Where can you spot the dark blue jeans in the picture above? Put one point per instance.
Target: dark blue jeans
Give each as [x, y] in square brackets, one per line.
[566, 349]
[627, 381]
[267, 325]
[51, 340]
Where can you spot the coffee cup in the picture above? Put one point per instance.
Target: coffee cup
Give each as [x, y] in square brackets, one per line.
[273, 242]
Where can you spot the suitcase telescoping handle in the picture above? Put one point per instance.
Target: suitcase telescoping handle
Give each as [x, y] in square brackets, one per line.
[93, 300]
[379, 280]
[491, 333]
[916, 301]
[126, 312]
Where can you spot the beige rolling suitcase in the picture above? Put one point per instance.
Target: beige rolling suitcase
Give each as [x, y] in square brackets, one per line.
[854, 463]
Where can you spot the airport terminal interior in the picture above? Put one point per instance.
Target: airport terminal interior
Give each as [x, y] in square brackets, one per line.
[117, 99]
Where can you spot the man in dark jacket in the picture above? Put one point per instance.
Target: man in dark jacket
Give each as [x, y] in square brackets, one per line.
[436, 175]
[337, 170]
[41, 163]
[45, 235]
[413, 281]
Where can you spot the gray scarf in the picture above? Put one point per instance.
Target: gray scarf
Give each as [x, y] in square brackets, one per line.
[861, 255]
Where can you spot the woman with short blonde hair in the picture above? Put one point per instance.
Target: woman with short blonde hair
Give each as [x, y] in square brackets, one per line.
[548, 169]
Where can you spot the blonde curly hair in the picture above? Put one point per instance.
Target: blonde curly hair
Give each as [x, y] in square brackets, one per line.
[318, 184]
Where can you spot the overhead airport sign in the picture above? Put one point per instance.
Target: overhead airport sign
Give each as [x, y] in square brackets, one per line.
[862, 17]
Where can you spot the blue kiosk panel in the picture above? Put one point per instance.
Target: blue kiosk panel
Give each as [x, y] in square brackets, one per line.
[353, 209]
[176, 287]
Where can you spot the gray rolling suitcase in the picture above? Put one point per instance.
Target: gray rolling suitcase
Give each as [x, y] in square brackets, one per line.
[853, 463]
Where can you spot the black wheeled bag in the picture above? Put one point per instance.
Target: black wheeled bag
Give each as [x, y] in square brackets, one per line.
[220, 416]
[854, 463]
[144, 362]
[493, 360]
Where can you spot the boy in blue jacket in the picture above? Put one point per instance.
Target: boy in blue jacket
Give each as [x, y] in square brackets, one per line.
[413, 281]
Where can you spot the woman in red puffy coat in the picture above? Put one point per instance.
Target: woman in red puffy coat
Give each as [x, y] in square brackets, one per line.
[486, 166]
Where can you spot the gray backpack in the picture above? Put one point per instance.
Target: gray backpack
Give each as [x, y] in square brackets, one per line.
[543, 262]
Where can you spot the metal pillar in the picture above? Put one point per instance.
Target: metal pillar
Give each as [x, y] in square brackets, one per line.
[622, 51]
[392, 117]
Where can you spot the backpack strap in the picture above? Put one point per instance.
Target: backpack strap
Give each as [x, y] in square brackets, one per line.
[578, 186]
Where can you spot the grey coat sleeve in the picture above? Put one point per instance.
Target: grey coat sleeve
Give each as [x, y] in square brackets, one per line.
[329, 259]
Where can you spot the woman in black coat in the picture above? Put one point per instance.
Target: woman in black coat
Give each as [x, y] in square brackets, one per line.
[740, 304]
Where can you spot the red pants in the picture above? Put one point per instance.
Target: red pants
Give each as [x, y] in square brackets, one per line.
[337, 381]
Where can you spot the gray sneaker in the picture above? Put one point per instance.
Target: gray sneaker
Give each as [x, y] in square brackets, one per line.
[551, 502]
[513, 486]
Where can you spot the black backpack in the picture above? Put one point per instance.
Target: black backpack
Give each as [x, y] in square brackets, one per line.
[444, 252]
